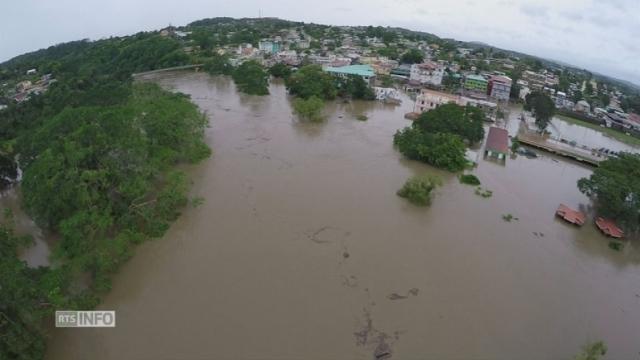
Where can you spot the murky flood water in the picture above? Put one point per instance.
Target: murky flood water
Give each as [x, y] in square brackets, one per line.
[38, 253]
[302, 250]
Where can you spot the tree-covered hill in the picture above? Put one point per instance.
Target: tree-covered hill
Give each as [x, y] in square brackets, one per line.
[97, 153]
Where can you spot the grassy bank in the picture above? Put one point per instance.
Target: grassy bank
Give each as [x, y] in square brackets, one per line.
[620, 136]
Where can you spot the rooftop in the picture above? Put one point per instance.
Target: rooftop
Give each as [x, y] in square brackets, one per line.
[498, 140]
[360, 70]
[476, 77]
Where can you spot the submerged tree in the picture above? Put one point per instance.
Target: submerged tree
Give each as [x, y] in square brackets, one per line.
[311, 80]
[251, 78]
[615, 187]
[310, 109]
[418, 189]
[542, 107]
[592, 351]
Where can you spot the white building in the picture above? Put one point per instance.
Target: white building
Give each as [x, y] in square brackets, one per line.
[430, 99]
[582, 106]
[387, 94]
[427, 73]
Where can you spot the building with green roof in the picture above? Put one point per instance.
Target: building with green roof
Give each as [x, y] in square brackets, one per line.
[476, 82]
[364, 71]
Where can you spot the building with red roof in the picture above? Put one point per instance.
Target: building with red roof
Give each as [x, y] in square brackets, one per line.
[609, 228]
[497, 145]
[570, 215]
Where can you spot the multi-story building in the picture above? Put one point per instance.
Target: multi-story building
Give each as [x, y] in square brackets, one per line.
[499, 87]
[427, 73]
[269, 46]
[476, 83]
[430, 99]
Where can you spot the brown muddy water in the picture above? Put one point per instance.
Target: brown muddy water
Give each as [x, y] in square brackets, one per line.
[302, 250]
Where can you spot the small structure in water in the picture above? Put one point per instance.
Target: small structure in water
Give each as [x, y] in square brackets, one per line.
[497, 145]
[570, 215]
[609, 228]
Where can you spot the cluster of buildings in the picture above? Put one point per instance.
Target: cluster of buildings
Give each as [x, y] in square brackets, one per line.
[429, 99]
[26, 88]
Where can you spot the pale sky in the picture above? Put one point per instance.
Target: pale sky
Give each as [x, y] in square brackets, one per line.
[599, 35]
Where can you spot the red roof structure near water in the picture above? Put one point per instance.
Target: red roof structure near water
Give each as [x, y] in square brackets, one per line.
[568, 214]
[498, 140]
[609, 228]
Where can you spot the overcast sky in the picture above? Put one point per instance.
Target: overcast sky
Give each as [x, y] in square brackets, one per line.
[599, 35]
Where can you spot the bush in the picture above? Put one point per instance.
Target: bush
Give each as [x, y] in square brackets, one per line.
[280, 70]
[484, 193]
[251, 78]
[310, 109]
[418, 189]
[446, 151]
[469, 179]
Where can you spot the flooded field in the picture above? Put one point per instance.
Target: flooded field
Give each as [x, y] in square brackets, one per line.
[302, 250]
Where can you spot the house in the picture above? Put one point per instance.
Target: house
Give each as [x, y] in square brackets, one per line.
[269, 46]
[609, 228]
[364, 71]
[570, 215]
[430, 99]
[402, 71]
[497, 145]
[427, 73]
[499, 87]
[23, 86]
[31, 71]
[476, 82]
[387, 94]
[583, 107]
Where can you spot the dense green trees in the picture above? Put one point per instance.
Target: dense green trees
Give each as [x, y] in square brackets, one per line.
[465, 121]
[615, 187]
[218, 65]
[311, 80]
[412, 56]
[354, 87]
[436, 137]
[97, 154]
[310, 109]
[280, 70]
[418, 189]
[251, 78]
[443, 150]
[542, 107]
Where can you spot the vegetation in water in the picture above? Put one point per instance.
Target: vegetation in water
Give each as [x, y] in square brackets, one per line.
[98, 154]
[592, 351]
[436, 137]
[251, 78]
[418, 189]
[509, 217]
[309, 109]
[483, 192]
[616, 245]
[515, 144]
[615, 187]
[311, 80]
[469, 179]
[218, 65]
[542, 107]
[280, 70]
[362, 117]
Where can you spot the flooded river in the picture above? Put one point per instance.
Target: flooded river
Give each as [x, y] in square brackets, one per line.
[302, 250]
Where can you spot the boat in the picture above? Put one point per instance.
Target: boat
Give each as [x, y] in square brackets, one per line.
[570, 215]
[609, 228]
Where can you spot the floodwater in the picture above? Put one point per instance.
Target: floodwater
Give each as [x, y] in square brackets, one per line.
[302, 250]
[38, 253]
[583, 136]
